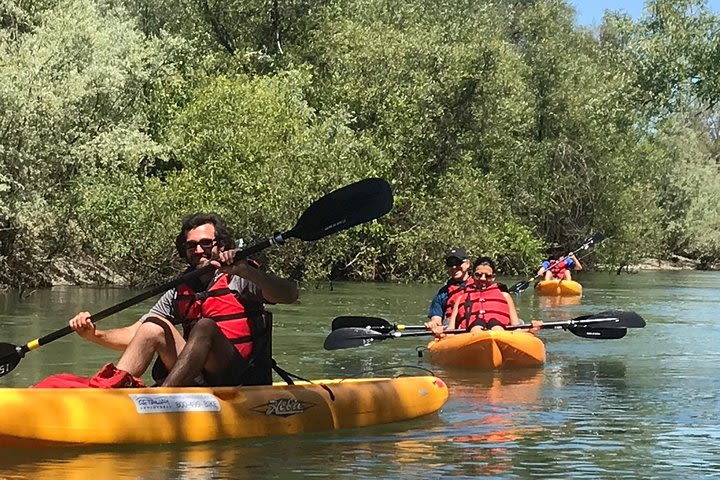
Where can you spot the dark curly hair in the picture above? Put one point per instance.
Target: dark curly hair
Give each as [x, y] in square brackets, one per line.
[484, 261]
[223, 235]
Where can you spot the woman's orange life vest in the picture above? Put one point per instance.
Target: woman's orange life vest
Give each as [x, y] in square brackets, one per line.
[485, 307]
[238, 320]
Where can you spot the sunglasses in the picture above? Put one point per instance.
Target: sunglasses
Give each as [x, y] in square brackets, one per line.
[453, 262]
[205, 243]
[479, 276]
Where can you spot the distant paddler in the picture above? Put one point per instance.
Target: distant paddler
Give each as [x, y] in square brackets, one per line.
[557, 266]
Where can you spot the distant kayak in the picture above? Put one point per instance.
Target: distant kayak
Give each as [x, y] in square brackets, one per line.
[564, 288]
[65, 417]
[488, 349]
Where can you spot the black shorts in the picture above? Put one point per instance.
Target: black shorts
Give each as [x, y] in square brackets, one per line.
[486, 325]
[238, 372]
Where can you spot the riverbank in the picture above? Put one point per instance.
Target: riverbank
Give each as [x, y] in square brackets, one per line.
[83, 272]
[674, 262]
[86, 272]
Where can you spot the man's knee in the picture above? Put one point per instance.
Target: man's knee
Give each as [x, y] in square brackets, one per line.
[205, 327]
[155, 329]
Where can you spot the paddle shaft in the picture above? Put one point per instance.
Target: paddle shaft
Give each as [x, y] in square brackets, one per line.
[526, 326]
[420, 334]
[569, 323]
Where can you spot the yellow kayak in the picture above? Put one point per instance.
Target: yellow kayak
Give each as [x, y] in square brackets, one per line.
[488, 349]
[563, 288]
[61, 417]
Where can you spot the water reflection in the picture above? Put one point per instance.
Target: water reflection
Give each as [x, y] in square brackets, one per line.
[200, 462]
[491, 416]
[546, 302]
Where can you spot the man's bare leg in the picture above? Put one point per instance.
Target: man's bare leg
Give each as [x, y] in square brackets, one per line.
[155, 335]
[206, 349]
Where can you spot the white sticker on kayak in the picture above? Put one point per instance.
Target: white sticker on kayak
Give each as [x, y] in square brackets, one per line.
[175, 402]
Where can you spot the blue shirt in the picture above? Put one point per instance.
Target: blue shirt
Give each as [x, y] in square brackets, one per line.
[568, 261]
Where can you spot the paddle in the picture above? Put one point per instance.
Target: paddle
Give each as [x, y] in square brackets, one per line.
[374, 323]
[361, 337]
[610, 324]
[339, 210]
[522, 286]
[618, 319]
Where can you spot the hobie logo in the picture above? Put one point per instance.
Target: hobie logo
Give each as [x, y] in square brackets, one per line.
[283, 407]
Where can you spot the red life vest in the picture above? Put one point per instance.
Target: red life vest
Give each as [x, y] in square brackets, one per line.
[238, 321]
[558, 269]
[455, 292]
[484, 307]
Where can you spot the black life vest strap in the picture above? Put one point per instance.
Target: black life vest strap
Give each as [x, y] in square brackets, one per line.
[245, 339]
[204, 295]
[468, 314]
[288, 378]
[199, 296]
[232, 316]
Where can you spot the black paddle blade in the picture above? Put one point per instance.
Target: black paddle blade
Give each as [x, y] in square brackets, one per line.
[9, 358]
[353, 337]
[349, 321]
[344, 208]
[598, 333]
[590, 242]
[594, 240]
[519, 287]
[616, 319]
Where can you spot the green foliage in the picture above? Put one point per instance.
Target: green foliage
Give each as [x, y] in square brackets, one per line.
[502, 126]
[70, 104]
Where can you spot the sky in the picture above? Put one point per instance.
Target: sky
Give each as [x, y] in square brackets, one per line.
[590, 12]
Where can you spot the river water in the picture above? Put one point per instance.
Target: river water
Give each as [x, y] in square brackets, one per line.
[644, 406]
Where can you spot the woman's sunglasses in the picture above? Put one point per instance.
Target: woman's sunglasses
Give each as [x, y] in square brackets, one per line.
[205, 243]
[479, 276]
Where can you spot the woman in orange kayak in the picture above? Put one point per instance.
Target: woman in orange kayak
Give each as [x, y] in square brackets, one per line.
[484, 305]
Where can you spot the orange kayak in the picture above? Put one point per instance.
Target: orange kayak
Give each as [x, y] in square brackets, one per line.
[65, 417]
[563, 288]
[488, 349]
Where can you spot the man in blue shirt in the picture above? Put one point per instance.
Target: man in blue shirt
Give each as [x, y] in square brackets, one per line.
[458, 266]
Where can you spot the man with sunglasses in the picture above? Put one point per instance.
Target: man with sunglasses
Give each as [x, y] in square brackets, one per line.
[226, 330]
[458, 265]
